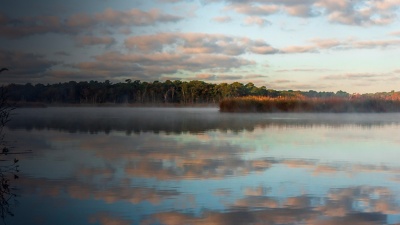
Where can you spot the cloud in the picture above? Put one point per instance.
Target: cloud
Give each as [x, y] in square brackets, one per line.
[20, 27]
[281, 81]
[65, 75]
[134, 17]
[300, 11]
[205, 76]
[256, 20]
[395, 33]
[252, 9]
[197, 43]
[222, 19]
[328, 43]
[317, 45]
[303, 70]
[202, 43]
[80, 23]
[299, 49]
[375, 43]
[214, 77]
[92, 40]
[355, 13]
[150, 66]
[253, 76]
[284, 84]
[353, 76]
[23, 65]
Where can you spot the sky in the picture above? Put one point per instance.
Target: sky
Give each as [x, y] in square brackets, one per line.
[322, 45]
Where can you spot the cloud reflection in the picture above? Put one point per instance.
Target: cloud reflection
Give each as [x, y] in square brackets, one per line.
[340, 206]
[86, 191]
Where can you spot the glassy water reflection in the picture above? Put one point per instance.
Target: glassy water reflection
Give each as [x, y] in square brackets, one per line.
[198, 166]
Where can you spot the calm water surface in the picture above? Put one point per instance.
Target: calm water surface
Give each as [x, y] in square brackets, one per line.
[117, 166]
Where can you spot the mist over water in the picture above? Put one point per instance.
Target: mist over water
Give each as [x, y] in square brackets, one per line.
[200, 166]
[177, 120]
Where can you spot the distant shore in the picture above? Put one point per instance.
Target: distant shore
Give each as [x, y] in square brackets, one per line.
[259, 104]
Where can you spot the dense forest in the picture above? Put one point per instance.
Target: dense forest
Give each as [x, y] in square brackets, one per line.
[131, 92]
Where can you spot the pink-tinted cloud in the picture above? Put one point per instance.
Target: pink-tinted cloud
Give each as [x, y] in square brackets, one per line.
[256, 20]
[317, 45]
[357, 12]
[205, 76]
[201, 43]
[395, 33]
[328, 43]
[299, 49]
[198, 43]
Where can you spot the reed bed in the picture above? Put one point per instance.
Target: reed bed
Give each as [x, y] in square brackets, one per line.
[303, 104]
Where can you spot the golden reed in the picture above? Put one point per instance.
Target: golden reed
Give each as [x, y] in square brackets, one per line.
[304, 104]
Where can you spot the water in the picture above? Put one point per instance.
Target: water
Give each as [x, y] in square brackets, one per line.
[198, 166]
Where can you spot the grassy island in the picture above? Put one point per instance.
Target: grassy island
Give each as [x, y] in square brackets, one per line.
[360, 104]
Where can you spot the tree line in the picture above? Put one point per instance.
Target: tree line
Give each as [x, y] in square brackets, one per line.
[183, 92]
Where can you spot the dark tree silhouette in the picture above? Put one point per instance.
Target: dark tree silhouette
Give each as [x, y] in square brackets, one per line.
[9, 167]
